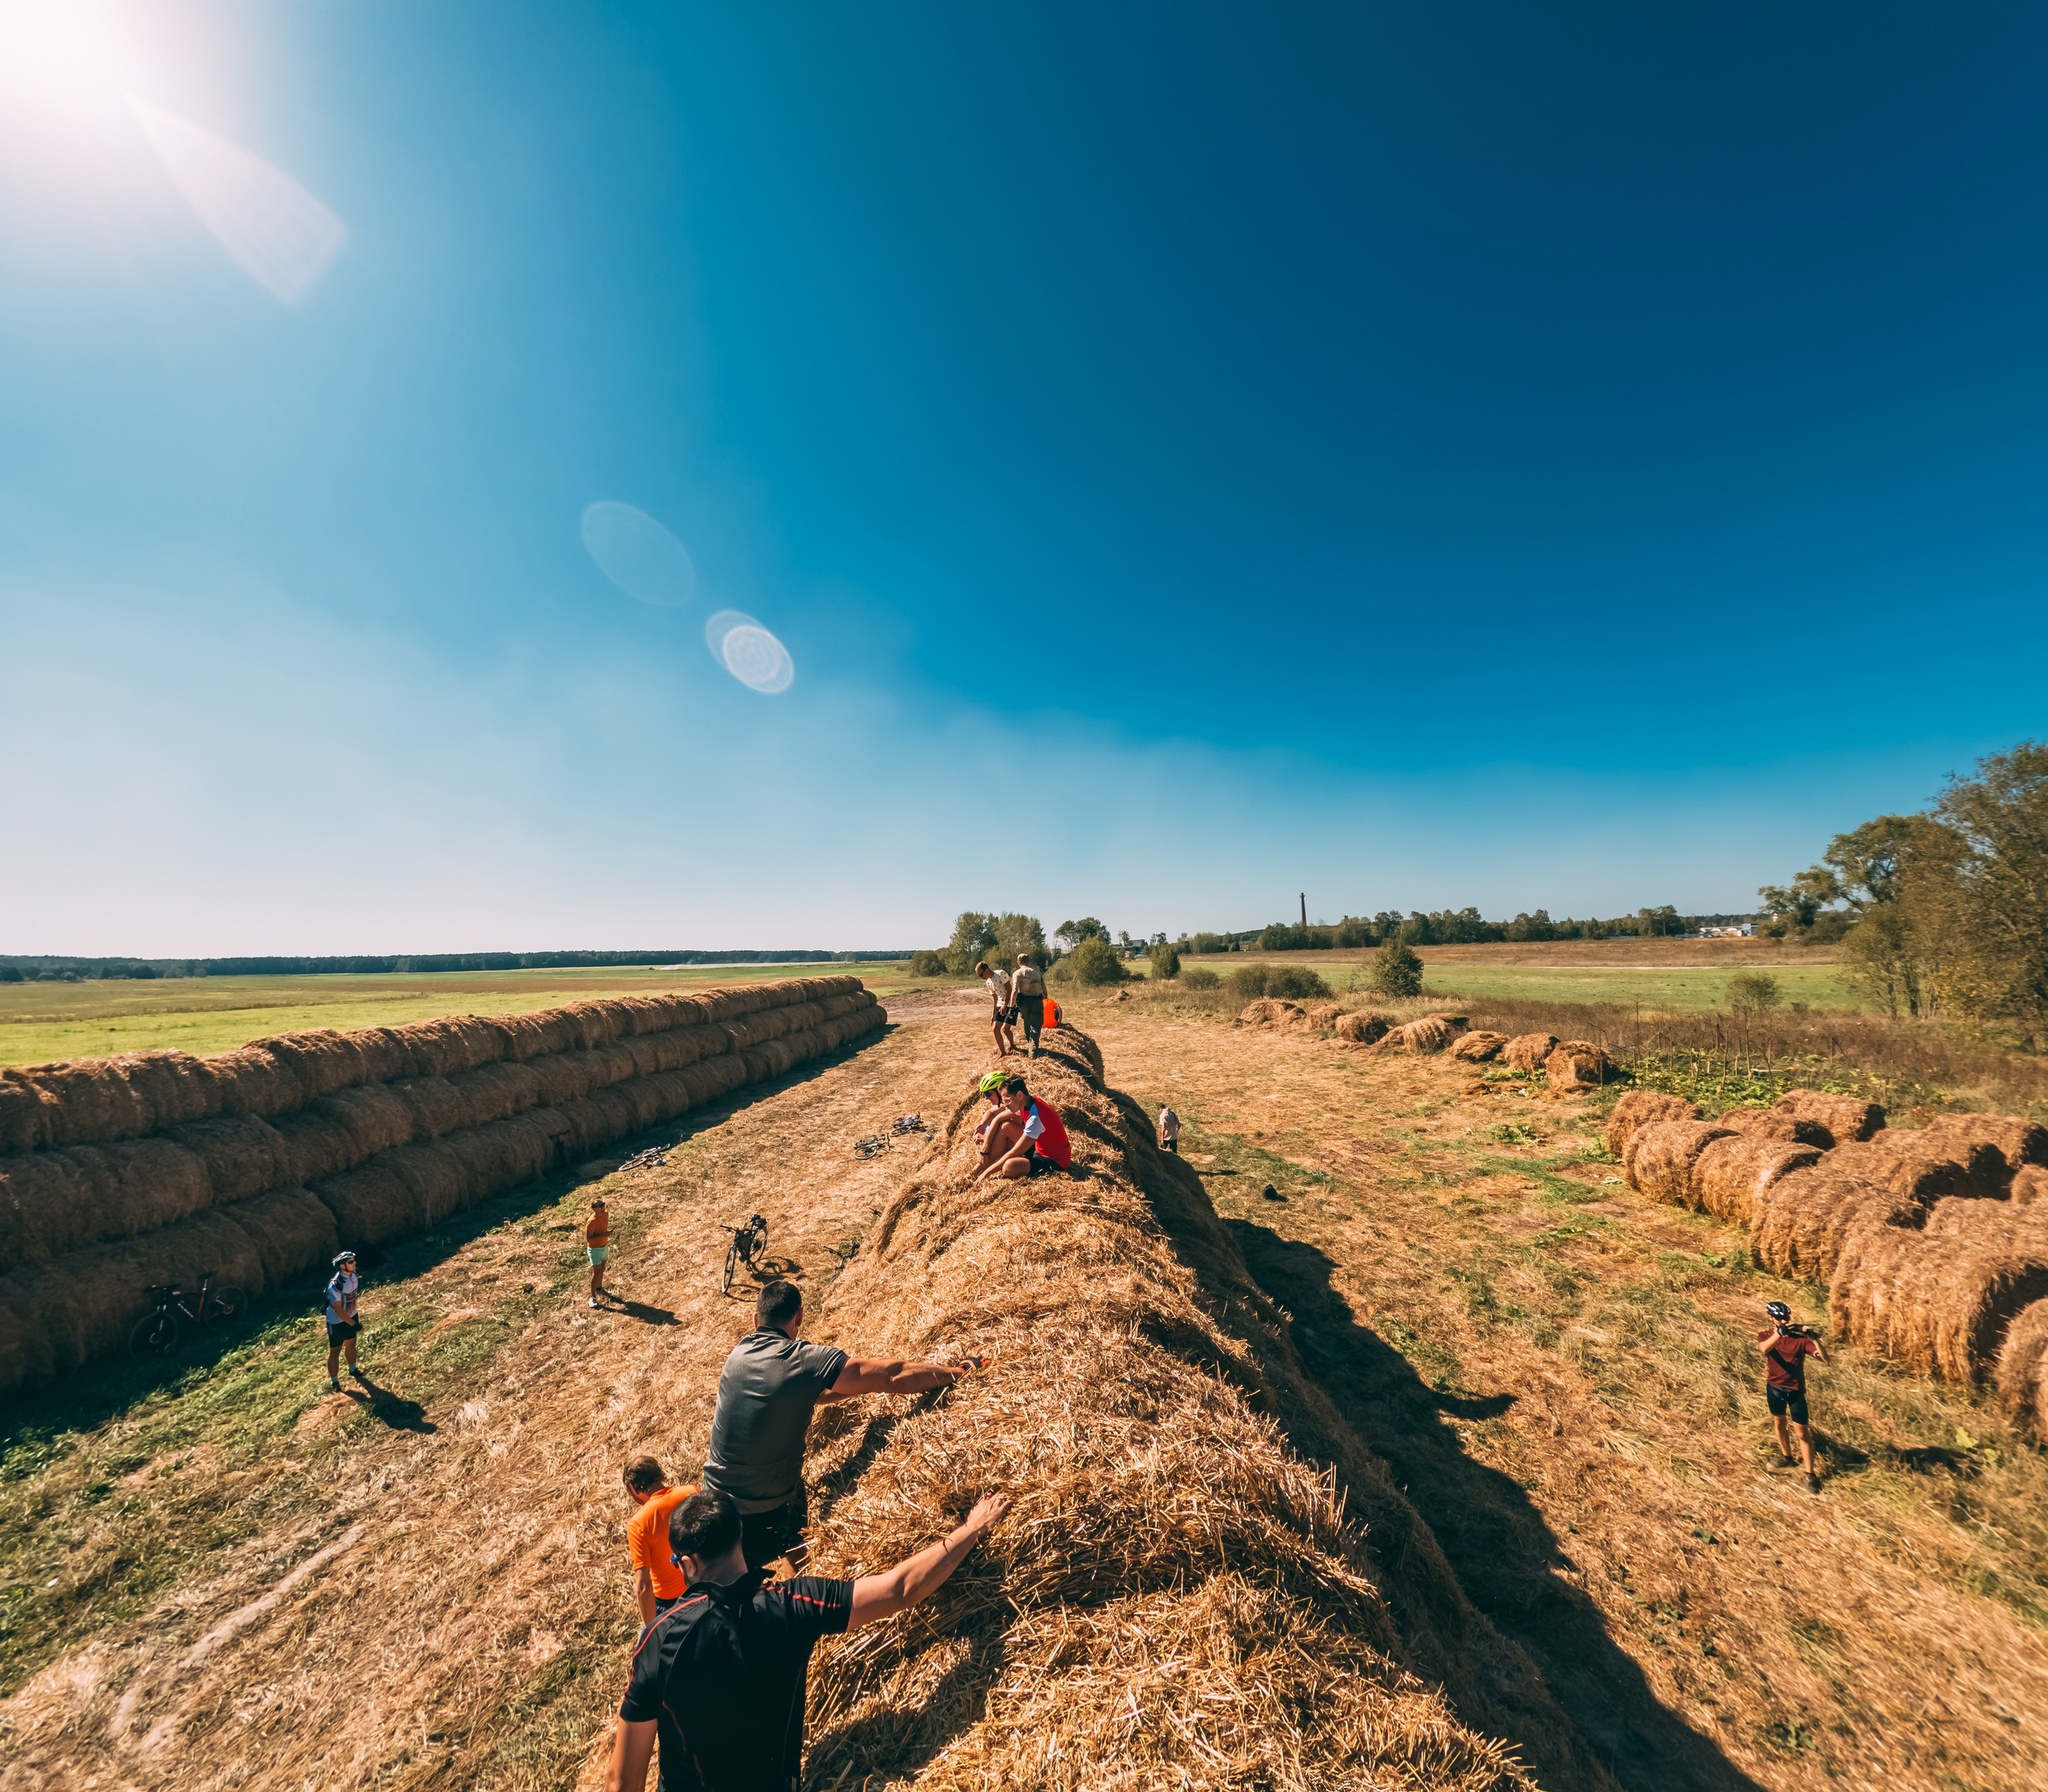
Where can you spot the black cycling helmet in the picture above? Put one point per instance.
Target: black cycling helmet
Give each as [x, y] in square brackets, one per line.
[1778, 1310]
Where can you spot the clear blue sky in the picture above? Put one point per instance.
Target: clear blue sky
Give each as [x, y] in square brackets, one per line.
[1580, 456]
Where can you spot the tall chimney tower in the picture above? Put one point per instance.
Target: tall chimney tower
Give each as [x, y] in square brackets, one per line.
[1304, 908]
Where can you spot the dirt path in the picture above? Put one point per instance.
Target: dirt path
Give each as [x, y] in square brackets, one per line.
[1560, 1374]
[426, 1586]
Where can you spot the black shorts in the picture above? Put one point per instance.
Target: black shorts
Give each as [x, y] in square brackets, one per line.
[1787, 1403]
[338, 1335]
[766, 1535]
[1172, 1145]
[1036, 1163]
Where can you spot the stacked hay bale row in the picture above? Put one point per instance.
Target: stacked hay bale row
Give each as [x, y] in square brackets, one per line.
[259, 1163]
[1208, 1578]
[1933, 1241]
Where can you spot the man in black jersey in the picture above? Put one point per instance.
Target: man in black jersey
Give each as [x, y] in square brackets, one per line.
[718, 1679]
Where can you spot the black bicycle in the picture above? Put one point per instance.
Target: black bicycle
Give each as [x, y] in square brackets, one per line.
[749, 1246]
[158, 1332]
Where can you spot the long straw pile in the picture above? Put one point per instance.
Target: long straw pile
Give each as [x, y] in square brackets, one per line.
[1207, 1579]
[257, 1164]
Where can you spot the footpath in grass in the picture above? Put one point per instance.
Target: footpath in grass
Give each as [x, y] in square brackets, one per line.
[239, 1578]
[43, 1022]
[1564, 1378]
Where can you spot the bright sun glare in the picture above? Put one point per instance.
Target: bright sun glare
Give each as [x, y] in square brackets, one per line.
[56, 49]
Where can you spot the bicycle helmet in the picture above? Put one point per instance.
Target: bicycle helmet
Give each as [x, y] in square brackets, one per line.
[992, 1082]
[344, 1257]
[1779, 1311]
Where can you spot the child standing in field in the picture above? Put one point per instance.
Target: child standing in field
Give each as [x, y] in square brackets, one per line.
[342, 1326]
[597, 1236]
[657, 1581]
[1169, 1131]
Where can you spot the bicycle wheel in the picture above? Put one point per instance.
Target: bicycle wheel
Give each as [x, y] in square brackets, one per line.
[732, 1257]
[155, 1335]
[223, 1306]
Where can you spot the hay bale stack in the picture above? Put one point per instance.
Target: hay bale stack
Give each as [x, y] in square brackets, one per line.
[1432, 1033]
[243, 1156]
[1639, 1107]
[1939, 1303]
[1269, 1011]
[2029, 1186]
[2017, 1140]
[27, 1113]
[1527, 1051]
[255, 1081]
[1660, 1157]
[1479, 1047]
[2023, 1372]
[1578, 1064]
[1768, 1123]
[1363, 1029]
[1803, 1220]
[1184, 1596]
[1730, 1177]
[1926, 1167]
[56, 1201]
[1846, 1117]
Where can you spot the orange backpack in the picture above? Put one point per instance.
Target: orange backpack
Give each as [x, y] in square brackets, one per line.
[1052, 1014]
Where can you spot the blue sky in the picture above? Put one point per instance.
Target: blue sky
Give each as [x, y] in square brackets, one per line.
[1500, 454]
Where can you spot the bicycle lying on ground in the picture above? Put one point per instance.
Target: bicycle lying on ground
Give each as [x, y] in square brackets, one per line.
[749, 1246]
[158, 1332]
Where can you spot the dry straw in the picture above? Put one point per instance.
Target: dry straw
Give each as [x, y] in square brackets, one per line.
[1578, 1064]
[1479, 1047]
[1432, 1033]
[2023, 1372]
[1804, 1219]
[1769, 1123]
[1527, 1051]
[1732, 1176]
[1638, 1107]
[1659, 1157]
[1182, 1596]
[1844, 1116]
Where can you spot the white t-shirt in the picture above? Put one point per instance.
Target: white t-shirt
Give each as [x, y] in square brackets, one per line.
[999, 986]
[1169, 1124]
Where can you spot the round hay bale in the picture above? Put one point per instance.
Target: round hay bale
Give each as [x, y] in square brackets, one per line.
[54, 1202]
[1363, 1029]
[243, 1156]
[495, 1092]
[2029, 1186]
[1270, 1011]
[437, 1175]
[323, 1060]
[1801, 1219]
[1731, 1173]
[28, 1113]
[1527, 1051]
[1660, 1158]
[1938, 1305]
[1769, 1123]
[450, 1043]
[1432, 1033]
[344, 1130]
[2017, 1140]
[92, 1103]
[563, 1077]
[1927, 1168]
[255, 1081]
[293, 1231]
[2023, 1372]
[169, 1087]
[540, 1034]
[1479, 1047]
[371, 1205]
[1846, 1117]
[1322, 1015]
[1578, 1064]
[1638, 1107]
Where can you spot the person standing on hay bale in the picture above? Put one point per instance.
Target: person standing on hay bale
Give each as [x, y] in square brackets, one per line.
[597, 1239]
[1027, 999]
[657, 1581]
[1786, 1347]
[343, 1328]
[770, 1386]
[1169, 1131]
[718, 1680]
[1005, 1016]
[1030, 1140]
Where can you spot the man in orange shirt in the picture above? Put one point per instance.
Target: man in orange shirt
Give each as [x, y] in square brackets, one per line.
[598, 1237]
[657, 1581]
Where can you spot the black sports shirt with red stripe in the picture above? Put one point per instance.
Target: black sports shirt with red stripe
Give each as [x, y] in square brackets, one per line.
[721, 1675]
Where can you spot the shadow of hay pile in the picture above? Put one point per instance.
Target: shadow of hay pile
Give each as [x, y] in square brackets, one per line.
[1932, 1242]
[1182, 1596]
[258, 1164]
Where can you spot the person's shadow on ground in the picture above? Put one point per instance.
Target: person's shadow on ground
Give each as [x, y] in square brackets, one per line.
[388, 1408]
[638, 1309]
[1498, 1543]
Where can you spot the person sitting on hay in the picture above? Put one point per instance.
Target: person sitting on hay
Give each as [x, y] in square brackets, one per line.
[1029, 1139]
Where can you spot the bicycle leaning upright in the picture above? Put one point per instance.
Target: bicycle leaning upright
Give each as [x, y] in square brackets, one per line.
[158, 1331]
[749, 1246]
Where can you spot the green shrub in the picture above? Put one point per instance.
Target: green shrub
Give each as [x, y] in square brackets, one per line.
[1293, 982]
[1397, 971]
[1752, 993]
[1092, 961]
[928, 964]
[1165, 963]
[1200, 976]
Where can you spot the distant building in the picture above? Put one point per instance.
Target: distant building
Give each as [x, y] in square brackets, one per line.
[1745, 931]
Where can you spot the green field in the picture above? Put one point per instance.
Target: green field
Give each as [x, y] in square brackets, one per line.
[43, 1022]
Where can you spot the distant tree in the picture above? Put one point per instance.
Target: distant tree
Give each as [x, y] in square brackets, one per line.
[1354, 930]
[1751, 993]
[1093, 961]
[974, 937]
[1018, 936]
[1165, 961]
[1397, 971]
[11, 974]
[928, 964]
[1071, 933]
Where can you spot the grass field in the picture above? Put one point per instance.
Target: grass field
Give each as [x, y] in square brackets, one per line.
[43, 1022]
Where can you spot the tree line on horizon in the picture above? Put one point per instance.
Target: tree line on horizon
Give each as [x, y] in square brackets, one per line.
[1943, 913]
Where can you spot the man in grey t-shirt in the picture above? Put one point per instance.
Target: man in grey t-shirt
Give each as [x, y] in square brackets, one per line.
[771, 1384]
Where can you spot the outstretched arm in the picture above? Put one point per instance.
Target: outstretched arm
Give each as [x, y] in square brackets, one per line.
[877, 1596]
[859, 1376]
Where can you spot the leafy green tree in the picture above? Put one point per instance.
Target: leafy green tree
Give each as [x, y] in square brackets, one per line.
[928, 964]
[1999, 888]
[1751, 993]
[1093, 961]
[1165, 961]
[1016, 936]
[974, 937]
[1072, 933]
[1397, 971]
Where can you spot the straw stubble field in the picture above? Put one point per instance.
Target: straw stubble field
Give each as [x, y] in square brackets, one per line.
[1562, 1373]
